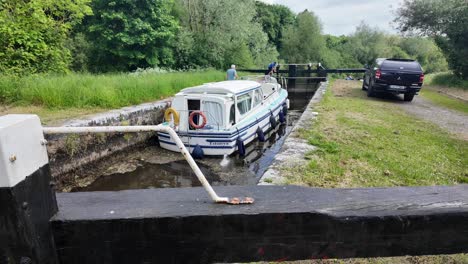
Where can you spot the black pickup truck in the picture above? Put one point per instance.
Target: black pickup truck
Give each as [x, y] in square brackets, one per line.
[397, 76]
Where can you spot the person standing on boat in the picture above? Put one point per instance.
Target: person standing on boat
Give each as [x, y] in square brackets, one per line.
[271, 68]
[231, 74]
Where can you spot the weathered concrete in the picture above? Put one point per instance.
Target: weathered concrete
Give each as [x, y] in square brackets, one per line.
[68, 152]
[285, 223]
[294, 148]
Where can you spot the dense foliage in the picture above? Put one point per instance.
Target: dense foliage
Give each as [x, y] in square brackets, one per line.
[303, 41]
[129, 34]
[33, 34]
[447, 21]
[219, 33]
[366, 44]
[274, 20]
[42, 36]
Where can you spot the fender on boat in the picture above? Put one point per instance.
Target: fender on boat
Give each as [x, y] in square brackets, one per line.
[282, 118]
[260, 135]
[240, 147]
[197, 152]
[285, 109]
[272, 121]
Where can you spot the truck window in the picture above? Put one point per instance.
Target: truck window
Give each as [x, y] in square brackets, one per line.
[391, 65]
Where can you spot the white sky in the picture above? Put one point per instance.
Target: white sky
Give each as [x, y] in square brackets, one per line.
[340, 17]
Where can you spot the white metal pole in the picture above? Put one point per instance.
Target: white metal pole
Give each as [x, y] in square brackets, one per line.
[134, 129]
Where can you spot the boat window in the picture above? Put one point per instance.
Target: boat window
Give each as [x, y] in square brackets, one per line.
[214, 113]
[232, 115]
[257, 98]
[244, 103]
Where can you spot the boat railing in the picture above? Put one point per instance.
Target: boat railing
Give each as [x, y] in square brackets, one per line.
[260, 78]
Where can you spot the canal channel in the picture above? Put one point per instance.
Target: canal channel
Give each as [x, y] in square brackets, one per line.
[149, 166]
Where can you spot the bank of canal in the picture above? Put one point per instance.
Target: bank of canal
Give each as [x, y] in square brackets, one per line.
[149, 166]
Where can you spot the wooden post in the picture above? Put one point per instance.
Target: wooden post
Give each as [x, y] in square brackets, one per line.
[284, 223]
[27, 197]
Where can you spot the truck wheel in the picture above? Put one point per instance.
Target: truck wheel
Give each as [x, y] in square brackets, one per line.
[370, 90]
[408, 97]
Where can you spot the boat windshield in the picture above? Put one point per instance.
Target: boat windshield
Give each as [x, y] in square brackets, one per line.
[244, 103]
[214, 112]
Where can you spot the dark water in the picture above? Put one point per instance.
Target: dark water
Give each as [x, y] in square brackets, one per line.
[232, 170]
[148, 175]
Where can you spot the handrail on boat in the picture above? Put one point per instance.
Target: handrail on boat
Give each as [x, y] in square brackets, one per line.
[157, 128]
[260, 78]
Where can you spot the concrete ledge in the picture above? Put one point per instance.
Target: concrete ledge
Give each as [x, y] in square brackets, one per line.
[285, 223]
[294, 148]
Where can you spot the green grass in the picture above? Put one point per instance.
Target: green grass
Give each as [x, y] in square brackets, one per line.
[446, 79]
[445, 101]
[51, 117]
[371, 142]
[98, 91]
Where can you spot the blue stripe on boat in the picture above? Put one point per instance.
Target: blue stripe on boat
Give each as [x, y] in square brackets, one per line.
[203, 146]
[222, 135]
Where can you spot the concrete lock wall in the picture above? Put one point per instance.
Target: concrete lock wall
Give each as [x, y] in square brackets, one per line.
[69, 152]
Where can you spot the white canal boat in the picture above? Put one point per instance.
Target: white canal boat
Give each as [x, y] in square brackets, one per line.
[223, 117]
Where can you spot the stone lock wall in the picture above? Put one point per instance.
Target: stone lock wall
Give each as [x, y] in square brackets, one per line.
[69, 152]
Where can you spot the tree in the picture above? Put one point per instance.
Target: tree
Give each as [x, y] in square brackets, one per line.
[274, 20]
[221, 33]
[131, 34]
[446, 21]
[366, 44]
[303, 41]
[426, 52]
[33, 34]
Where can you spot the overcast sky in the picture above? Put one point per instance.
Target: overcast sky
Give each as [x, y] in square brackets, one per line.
[340, 17]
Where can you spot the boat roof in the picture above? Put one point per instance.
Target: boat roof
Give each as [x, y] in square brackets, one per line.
[225, 87]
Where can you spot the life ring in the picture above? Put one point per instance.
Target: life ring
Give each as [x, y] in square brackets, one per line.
[171, 111]
[192, 123]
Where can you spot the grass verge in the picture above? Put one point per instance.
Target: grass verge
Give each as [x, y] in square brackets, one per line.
[366, 142]
[446, 79]
[445, 101]
[51, 117]
[98, 91]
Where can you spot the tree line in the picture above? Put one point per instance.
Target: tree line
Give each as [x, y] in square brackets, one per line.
[42, 36]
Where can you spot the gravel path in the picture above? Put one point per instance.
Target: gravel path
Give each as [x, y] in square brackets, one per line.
[453, 121]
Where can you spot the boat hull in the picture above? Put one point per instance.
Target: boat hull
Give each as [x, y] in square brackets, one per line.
[225, 142]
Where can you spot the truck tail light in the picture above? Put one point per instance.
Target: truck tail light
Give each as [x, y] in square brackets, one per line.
[378, 74]
[421, 78]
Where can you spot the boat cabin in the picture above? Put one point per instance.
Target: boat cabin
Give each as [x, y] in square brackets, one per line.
[224, 104]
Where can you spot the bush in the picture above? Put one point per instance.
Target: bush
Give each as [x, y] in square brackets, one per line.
[447, 79]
